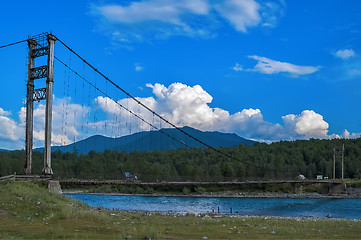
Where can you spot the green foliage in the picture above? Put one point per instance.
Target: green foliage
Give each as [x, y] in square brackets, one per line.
[280, 160]
[354, 183]
[200, 190]
[186, 191]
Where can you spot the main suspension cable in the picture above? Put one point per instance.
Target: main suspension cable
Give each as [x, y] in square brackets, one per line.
[14, 43]
[143, 105]
[165, 120]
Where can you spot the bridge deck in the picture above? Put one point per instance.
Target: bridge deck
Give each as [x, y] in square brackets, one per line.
[119, 182]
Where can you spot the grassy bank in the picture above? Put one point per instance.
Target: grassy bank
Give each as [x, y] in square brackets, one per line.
[29, 211]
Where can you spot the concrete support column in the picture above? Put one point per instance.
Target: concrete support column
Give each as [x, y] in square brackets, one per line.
[29, 111]
[49, 103]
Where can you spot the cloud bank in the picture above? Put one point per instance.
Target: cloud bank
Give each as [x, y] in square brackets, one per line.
[186, 105]
[189, 106]
[179, 103]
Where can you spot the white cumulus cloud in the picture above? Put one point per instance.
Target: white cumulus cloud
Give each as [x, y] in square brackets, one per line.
[269, 66]
[4, 113]
[347, 134]
[9, 129]
[67, 119]
[177, 99]
[308, 124]
[344, 54]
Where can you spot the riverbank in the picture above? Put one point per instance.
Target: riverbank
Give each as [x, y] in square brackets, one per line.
[28, 210]
[224, 195]
[287, 207]
[259, 189]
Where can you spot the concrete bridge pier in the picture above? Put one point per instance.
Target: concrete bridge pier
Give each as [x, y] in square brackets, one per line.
[54, 187]
[337, 188]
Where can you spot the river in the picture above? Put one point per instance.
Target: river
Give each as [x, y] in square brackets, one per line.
[286, 207]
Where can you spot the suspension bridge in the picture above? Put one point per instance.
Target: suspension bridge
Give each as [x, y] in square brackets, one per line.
[91, 103]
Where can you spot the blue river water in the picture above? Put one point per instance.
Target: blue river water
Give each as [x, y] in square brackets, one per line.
[287, 207]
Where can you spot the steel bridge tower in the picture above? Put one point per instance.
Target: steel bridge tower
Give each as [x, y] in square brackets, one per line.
[39, 45]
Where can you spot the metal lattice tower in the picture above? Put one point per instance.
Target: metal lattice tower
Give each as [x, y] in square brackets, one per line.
[39, 45]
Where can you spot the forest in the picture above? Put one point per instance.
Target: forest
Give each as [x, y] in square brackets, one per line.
[279, 160]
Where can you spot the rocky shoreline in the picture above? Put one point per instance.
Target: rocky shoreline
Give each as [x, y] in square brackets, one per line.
[236, 215]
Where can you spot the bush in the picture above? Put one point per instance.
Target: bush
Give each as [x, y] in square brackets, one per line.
[186, 191]
[150, 190]
[355, 184]
[200, 190]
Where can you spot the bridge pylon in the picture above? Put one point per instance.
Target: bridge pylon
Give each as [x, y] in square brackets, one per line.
[39, 45]
[338, 152]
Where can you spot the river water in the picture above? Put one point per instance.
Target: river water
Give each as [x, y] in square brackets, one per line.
[287, 207]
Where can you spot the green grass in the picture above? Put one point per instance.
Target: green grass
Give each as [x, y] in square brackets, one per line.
[29, 211]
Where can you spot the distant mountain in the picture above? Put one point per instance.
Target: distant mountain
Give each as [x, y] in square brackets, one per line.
[3, 150]
[154, 140]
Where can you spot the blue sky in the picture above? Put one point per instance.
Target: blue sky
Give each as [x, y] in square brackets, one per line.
[267, 70]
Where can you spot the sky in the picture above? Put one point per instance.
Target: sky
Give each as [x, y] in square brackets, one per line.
[266, 70]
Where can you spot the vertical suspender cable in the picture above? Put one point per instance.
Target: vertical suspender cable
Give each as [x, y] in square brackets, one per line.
[160, 117]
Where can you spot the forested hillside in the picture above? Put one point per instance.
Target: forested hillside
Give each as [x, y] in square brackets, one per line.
[153, 140]
[276, 161]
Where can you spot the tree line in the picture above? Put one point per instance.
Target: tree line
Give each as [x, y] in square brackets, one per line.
[279, 160]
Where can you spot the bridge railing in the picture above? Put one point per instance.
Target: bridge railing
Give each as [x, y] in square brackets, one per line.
[181, 179]
[151, 178]
[33, 178]
[8, 177]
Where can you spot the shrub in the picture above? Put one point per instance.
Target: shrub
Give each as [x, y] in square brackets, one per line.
[186, 191]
